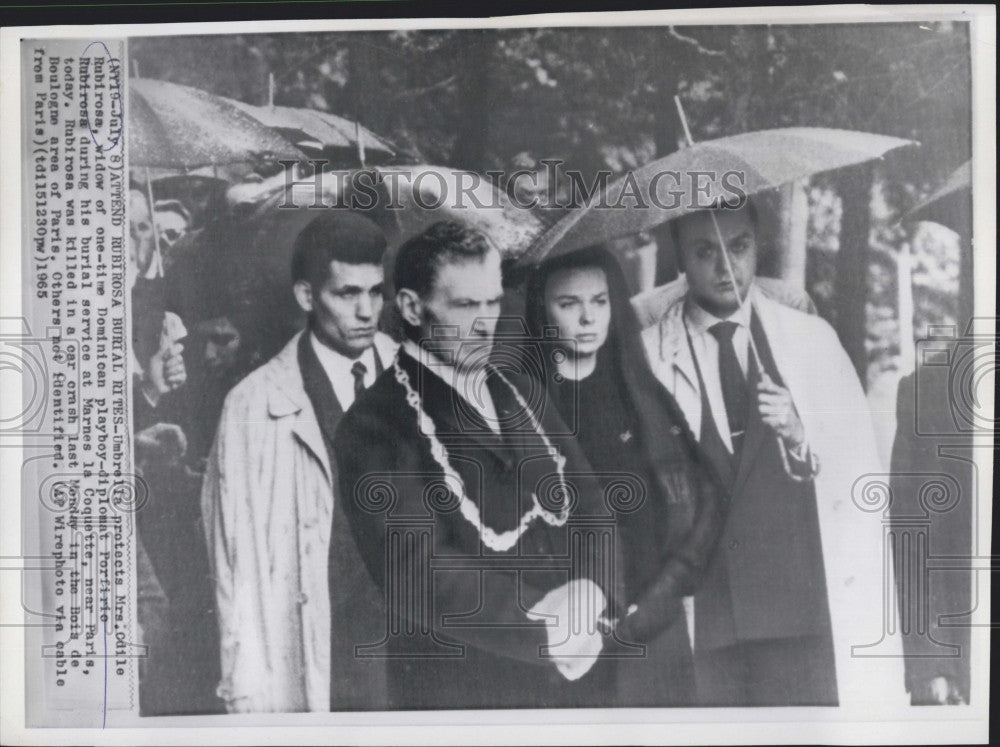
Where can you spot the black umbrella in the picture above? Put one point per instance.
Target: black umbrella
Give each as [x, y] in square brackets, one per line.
[311, 128]
[180, 127]
[704, 174]
[171, 126]
[409, 199]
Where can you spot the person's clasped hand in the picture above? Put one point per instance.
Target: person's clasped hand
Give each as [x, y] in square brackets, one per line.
[165, 370]
[571, 613]
[164, 373]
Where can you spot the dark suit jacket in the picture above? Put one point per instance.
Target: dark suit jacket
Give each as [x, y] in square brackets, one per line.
[934, 645]
[457, 635]
[767, 579]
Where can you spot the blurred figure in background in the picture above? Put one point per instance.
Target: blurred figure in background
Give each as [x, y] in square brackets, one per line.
[156, 333]
[178, 611]
[932, 442]
[172, 223]
[183, 672]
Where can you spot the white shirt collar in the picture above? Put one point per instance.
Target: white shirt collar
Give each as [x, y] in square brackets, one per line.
[338, 369]
[700, 320]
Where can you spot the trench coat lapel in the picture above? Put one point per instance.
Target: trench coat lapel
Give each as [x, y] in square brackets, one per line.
[319, 390]
[287, 398]
[674, 364]
[676, 349]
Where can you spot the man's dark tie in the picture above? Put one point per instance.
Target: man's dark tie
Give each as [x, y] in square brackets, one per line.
[358, 370]
[734, 385]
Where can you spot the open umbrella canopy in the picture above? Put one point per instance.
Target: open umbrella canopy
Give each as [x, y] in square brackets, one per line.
[315, 129]
[180, 127]
[429, 194]
[950, 202]
[409, 199]
[228, 172]
[258, 239]
[704, 174]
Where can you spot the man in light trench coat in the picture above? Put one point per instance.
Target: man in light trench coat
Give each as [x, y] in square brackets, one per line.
[797, 605]
[269, 498]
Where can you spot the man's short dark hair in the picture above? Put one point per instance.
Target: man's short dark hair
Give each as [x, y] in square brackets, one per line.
[420, 258]
[337, 235]
[675, 225]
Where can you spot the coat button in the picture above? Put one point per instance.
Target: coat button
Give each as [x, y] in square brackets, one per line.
[849, 580]
[734, 544]
[837, 505]
[303, 597]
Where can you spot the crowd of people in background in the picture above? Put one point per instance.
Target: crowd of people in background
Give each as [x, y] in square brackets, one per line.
[187, 355]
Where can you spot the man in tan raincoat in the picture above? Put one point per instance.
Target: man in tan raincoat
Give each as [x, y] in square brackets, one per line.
[272, 517]
[797, 607]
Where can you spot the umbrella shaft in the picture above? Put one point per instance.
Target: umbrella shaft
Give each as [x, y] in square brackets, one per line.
[740, 300]
[718, 233]
[152, 214]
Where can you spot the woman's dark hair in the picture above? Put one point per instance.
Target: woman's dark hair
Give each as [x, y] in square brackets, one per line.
[665, 438]
[624, 335]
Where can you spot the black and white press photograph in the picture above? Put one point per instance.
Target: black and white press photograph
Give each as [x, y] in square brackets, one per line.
[684, 305]
[591, 364]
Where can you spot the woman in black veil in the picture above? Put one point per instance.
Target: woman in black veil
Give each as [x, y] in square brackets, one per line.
[628, 425]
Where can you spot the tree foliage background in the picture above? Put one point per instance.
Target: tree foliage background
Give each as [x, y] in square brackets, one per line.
[602, 98]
